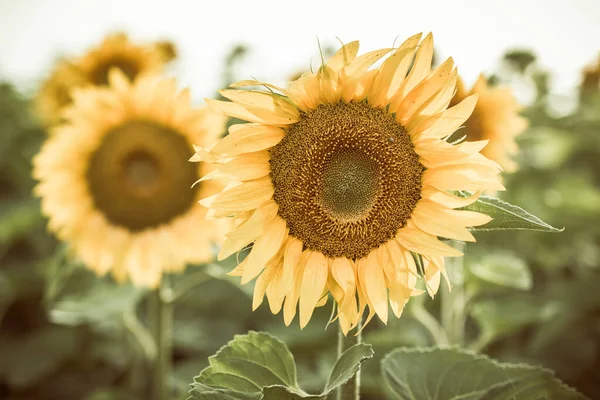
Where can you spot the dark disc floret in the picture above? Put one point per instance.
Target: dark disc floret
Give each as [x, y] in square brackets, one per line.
[346, 178]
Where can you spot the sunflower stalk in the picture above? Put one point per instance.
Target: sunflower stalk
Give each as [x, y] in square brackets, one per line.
[429, 322]
[351, 389]
[147, 354]
[163, 333]
[454, 301]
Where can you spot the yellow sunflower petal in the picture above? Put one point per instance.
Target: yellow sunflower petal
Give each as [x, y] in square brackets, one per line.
[421, 67]
[440, 221]
[344, 56]
[416, 240]
[261, 284]
[272, 107]
[246, 196]
[291, 299]
[265, 248]
[444, 198]
[357, 68]
[447, 122]
[248, 138]
[425, 92]
[344, 273]
[246, 167]
[314, 279]
[462, 177]
[273, 297]
[248, 231]
[371, 274]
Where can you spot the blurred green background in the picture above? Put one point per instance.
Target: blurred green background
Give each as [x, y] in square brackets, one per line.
[530, 297]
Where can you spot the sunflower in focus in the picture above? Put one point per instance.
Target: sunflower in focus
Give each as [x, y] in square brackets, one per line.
[115, 181]
[343, 178]
[495, 119]
[115, 51]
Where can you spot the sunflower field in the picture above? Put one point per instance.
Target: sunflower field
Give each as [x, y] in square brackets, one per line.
[375, 229]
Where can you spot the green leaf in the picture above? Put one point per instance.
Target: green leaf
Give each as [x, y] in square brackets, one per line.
[33, 357]
[456, 374]
[284, 393]
[507, 217]
[19, 220]
[7, 294]
[503, 270]
[347, 365]
[99, 304]
[248, 363]
[202, 392]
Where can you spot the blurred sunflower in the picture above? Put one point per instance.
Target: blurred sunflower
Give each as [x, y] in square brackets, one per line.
[339, 178]
[590, 82]
[495, 119]
[115, 181]
[54, 94]
[115, 51]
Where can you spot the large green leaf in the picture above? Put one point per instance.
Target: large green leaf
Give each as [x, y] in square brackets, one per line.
[507, 217]
[348, 365]
[456, 374]
[202, 392]
[284, 393]
[248, 363]
[258, 365]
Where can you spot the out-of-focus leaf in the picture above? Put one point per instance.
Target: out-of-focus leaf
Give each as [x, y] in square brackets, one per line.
[58, 269]
[18, 220]
[550, 147]
[248, 363]
[348, 365]
[108, 394]
[497, 318]
[520, 58]
[29, 359]
[97, 305]
[507, 216]
[7, 295]
[503, 270]
[456, 374]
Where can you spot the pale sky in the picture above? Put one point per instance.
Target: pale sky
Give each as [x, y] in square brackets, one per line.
[282, 34]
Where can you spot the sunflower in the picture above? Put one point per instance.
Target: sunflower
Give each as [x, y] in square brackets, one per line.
[54, 94]
[115, 51]
[132, 59]
[344, 178]
[590, 82]
[495, 119]
[115, 181]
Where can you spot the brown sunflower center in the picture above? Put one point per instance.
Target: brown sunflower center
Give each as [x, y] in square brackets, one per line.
[99, 75]
[139, 176]
[349, 184]
[346, 178]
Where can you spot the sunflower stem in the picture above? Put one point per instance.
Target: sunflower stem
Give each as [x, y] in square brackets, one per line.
[190, 283]
[454, 302]
[429, 322]
[351, 389]
[163, 339]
